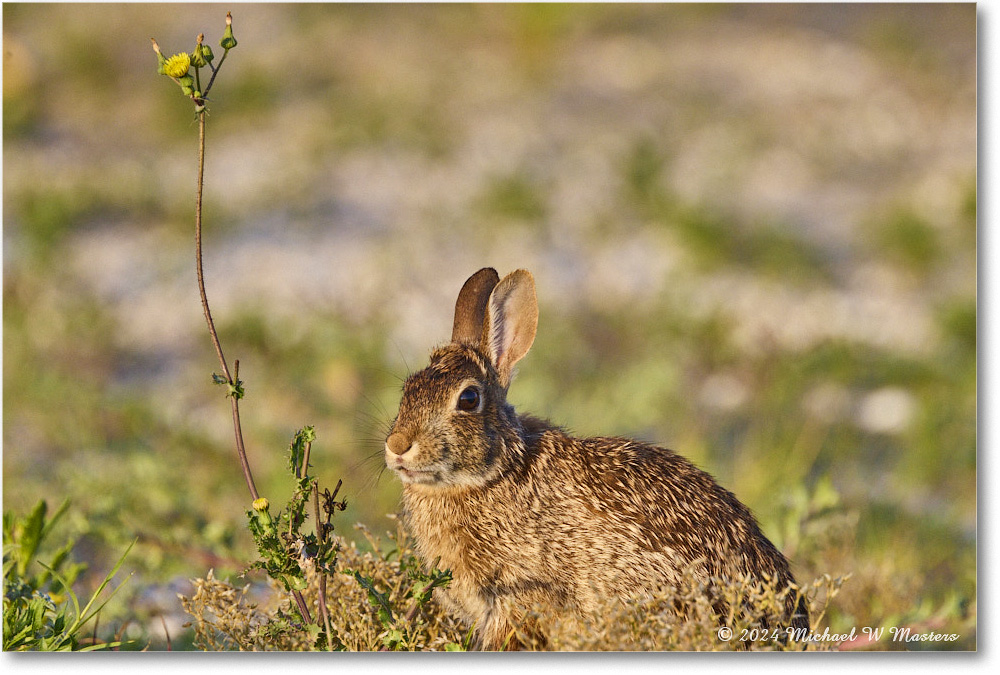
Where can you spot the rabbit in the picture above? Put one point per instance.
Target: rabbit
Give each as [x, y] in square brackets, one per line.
[522, 512]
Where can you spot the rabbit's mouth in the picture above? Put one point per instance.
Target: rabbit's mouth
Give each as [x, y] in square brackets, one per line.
[415, 475]
[404, 467]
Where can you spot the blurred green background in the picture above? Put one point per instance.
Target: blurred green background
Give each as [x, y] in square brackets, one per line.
[752, 228]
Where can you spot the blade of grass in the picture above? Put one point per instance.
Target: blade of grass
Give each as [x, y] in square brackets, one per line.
[104, 645]
[107, 580]
[50, 523]
[69, 591]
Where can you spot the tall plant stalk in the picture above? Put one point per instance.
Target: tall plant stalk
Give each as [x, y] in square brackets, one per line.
[178, 68]
[233, 383]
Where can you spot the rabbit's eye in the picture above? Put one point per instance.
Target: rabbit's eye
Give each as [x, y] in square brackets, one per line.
[468, 399]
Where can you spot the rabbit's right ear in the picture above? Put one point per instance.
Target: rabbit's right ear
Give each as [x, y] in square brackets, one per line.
[470, 308]
[510, 323]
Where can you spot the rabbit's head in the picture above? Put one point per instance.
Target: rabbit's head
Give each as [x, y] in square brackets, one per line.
[454, 426]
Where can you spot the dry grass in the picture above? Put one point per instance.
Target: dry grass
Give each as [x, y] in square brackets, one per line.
[683, 619]
[226, 617]
[820, 539]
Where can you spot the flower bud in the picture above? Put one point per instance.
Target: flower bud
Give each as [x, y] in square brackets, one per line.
[201, 54]
[228, 41]
[161, 60]
[187, 84]
[261, 516]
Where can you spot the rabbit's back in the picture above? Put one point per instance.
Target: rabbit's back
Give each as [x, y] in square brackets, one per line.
[575, 521]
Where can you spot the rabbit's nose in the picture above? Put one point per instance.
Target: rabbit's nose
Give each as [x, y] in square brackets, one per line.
[397, 443]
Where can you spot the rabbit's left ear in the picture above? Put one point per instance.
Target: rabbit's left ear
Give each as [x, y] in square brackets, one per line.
[510, 322]
[470, 309]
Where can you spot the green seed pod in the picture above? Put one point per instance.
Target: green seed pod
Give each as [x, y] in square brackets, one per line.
[187, 84]
[198, 57]
[161, 60]
[228, 41]
[265, 521]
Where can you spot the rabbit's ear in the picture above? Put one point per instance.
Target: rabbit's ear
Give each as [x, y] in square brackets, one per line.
[470, 309]
[510, 322]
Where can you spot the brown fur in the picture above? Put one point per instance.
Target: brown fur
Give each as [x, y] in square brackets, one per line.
[523, 513]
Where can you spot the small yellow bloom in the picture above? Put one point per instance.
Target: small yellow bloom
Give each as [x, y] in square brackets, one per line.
[177, 65]
[260, 504]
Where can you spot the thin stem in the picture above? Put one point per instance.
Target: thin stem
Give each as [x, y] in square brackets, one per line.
[167, 633]
[321, 535]
[324, 612]
[412, 614]
[303, 609]
[197, 248]
[215, 71]
[240, 447]
[303, 470]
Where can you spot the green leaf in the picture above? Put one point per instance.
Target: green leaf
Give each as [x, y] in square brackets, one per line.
[393, 639]
[30, 537]
[296, 582]
[50, 523]
[69, 592]
[467, 643]
[236, 390]
[424, 584]
[297, 449]
[380, 601]
[313, 631]
[103, 645]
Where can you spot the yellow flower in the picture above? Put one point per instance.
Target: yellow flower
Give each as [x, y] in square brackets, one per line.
[177, 65]
[260, 504]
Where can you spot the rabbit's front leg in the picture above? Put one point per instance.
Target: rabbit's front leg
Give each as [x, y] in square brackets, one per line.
[505, 630]
[498, 632]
